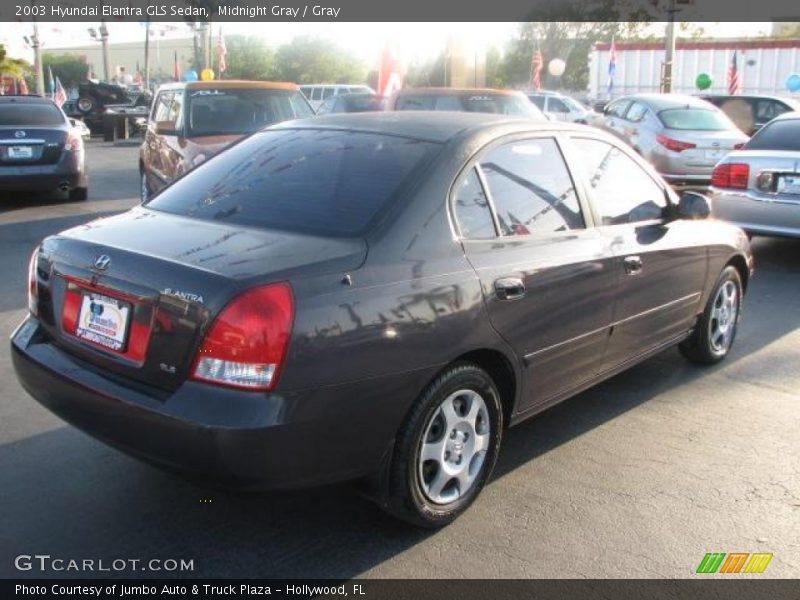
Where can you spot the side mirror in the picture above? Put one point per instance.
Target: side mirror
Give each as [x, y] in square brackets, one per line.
[693, 206]
[165, 128]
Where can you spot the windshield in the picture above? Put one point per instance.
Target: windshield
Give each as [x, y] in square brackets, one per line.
[31, 115]
[307, 180]
[503, 104]
[778, 135]
[574, 104]
[232, 111]
[698, 119]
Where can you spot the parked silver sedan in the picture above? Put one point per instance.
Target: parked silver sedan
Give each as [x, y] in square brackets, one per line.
[758, 187]
[682, 136]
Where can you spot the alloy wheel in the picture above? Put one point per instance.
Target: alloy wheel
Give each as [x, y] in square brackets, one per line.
[454, 446]
[724, 315]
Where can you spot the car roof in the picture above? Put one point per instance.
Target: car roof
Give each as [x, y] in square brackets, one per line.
[665, 101]
[226, 84]
[439, 91]
[435, 126]
[25, 99]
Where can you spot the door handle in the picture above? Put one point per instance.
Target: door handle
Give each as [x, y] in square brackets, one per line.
[509, 288]
[633, 265]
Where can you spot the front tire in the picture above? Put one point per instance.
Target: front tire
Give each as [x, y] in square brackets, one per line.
[446, 450]
[716, 328]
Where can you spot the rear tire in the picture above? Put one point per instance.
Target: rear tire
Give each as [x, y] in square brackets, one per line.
[715, 331]
[79, 194]
[447, 448]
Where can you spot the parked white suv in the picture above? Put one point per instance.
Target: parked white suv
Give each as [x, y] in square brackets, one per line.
[317, 93]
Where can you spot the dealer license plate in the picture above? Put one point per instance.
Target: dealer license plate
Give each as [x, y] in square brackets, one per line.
[104, 321]
[20, 152]
[789, 184]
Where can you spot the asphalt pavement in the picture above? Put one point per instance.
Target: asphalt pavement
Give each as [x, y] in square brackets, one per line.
[638, 477]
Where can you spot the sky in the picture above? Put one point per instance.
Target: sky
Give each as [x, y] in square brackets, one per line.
[415, 41]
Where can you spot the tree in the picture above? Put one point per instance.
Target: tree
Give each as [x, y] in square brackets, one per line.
[14, 67]
[248, 57]
[316, 60]
[70, 69]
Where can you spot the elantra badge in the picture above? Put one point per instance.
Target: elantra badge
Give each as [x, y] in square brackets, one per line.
[19, 134]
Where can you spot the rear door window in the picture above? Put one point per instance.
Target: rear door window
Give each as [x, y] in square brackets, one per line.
[306, 180]
[531, 187]
[636, 112]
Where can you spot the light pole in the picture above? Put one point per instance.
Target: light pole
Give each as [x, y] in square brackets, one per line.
[669, 49]
[37, 58]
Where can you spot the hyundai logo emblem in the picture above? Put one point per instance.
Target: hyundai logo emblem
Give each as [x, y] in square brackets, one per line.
[19, 134]
[102, 262]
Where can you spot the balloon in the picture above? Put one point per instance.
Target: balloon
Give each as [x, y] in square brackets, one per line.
[207, 74]
[793, 82]
[703, 81]
[556, 67]
[190, 75]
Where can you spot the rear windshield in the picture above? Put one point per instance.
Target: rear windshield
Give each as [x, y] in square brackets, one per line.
[478, 102]
[228, 111]
[778, 135]
[699, 119]
[309, 180]
[31, 115]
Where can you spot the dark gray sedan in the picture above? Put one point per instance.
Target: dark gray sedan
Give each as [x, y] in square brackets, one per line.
[374, 296]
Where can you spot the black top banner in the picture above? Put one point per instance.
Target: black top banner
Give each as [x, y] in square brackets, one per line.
[398, 11]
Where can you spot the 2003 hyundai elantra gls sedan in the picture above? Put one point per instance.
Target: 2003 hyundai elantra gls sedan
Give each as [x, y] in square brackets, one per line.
[373, 296]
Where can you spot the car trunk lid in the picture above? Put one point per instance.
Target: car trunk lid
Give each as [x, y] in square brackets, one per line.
[710, 146]
[156, 281]
[21, 146]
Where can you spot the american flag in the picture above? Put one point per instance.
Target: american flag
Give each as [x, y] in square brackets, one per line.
[734, 83]
[537, 62]
[612, 66]
[59, 95]
[176, 70]
[222, 52]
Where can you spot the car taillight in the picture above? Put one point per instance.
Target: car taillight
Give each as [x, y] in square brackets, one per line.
[674, 145]
[246, 344]
[74, 142]
[33, 284]
[731, 175]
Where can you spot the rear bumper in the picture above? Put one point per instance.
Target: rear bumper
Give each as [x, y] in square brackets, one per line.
[240, 438]
[42, 178]
[757, 213]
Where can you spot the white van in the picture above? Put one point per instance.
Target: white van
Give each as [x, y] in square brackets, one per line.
[316, 93]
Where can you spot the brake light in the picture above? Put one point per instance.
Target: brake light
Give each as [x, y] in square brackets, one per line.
[731, 175]
[33, 284]
[74, 142]
[246, 344]
[674, 145]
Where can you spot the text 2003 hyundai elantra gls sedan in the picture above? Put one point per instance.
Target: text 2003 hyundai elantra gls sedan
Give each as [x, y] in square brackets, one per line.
[373, 296]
